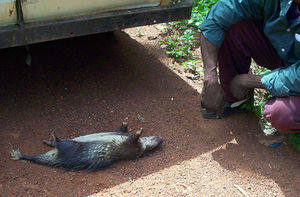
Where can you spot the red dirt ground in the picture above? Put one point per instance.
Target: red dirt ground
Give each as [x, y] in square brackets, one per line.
[90, 84]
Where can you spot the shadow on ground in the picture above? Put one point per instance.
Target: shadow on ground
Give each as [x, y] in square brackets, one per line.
[90, 84]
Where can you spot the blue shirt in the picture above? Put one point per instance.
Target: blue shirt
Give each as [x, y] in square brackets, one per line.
[283, 34]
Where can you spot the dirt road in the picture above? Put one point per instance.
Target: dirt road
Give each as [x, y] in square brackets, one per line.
[90, 84]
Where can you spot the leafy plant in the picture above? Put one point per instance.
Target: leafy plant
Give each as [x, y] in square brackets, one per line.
[177, 49]
[183, 31]
[261, 96]
[248, 105]
[188, 37]
[175, 1]
[259, 108]
[191, 66]
[180, 52]
[199, 11]
[294, 140]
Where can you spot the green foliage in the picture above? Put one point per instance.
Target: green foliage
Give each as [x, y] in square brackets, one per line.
[191, 66]
[188, 37]
[294, 140]
[261, 96]
[260, 71]
[182, 40]
[248, 105]
[199, 11]
[259, 108]
[175, 1]
[176, 49]
[179, 52]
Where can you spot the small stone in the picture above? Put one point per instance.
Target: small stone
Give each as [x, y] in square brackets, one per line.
[134, 192]
[152, 37]
[140, 118]
[192, 77]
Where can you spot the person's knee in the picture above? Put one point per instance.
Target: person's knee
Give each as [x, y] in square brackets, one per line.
[284, 114]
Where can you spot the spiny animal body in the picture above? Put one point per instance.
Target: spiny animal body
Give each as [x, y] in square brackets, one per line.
[95, 151]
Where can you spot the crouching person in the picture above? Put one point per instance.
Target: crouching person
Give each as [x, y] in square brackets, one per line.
[268, 31]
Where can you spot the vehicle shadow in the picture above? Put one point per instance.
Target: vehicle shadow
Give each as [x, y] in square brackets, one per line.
[91, 84]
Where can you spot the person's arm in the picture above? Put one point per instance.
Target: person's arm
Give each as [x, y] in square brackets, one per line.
[209, 54]
[243, 83]
[212, 94]
[280, 82]
[283, 81]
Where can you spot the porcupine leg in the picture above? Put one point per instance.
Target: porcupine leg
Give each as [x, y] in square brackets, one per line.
[49, 142]
[52, 143]
[135, 137]
[124, 127]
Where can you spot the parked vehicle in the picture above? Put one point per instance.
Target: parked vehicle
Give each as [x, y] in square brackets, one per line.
[24, 22]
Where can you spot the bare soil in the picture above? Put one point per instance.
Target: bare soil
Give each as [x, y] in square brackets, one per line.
[91, 84]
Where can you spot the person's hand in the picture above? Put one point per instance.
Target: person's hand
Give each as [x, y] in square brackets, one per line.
[213, 97]
[238, 86]
[241, 85]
